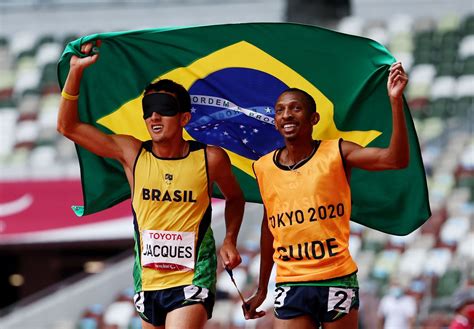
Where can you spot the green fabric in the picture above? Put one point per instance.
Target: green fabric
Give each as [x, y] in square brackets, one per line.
[206, 263]
[349, 281]
[346, 73]
[137, 266]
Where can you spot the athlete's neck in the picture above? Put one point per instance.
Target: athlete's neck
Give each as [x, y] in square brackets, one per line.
[176, 149]
[296, 151]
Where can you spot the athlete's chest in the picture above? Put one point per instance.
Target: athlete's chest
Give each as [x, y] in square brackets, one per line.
[188, 173]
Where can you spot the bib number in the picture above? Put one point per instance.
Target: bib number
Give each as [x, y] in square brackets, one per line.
[280, 295]
[195, 293]
[138, 300]
[340, 299]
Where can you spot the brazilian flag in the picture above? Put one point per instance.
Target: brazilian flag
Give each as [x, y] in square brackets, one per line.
[234, 73]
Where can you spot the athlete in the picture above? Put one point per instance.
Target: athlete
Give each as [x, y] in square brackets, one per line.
[171, 180]
[307, 206]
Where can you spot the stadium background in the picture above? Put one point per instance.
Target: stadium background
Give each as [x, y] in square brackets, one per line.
[59, 271]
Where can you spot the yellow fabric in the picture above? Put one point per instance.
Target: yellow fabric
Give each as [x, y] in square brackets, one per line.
[179, 206]
[308, 213]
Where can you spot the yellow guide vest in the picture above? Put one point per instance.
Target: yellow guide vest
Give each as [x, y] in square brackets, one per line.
[308, 211]
[172, 210]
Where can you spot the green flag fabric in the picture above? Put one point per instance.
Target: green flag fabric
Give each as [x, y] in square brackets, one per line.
[234, 73]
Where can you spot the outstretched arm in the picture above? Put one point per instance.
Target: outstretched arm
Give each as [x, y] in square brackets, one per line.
[396, 156]
[120, 147]
[221, 173]
[266, 265]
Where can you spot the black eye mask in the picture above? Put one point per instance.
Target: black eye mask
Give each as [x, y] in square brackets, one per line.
[161, 103]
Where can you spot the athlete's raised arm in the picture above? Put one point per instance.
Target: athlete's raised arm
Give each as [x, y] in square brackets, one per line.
[120, 147]
[220, 172]
[396, 156]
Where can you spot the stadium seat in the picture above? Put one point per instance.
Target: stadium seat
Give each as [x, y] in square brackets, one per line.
[448, 283]
[8, 118]
[449, 22]
[48, 113]
[386, 264]
[22, 43]
[465, 250]
[424, 39]
[441, 107]
[421, 78]
[458, 202]
[400, 24]
[402, 42]
[28, 107]
[119, 314]
[351, 25]
[405, 57]
[26, 132]
[365, 260]
[467, 26]
[49, 80]
[465, 86]
[355, 245]
[400, 241]
[88, 323]
[374, 240]
[467, 65]
[135, 323]
[379, 34]
[412, 262]
[43, 157]
[466, 47]
[464, 107]
[68, 38]
[454, 230]
[467, 161]
[437, 262]
[27, 80]
[433, 128]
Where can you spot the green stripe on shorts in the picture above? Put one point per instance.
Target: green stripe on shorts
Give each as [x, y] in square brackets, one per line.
[348, 281]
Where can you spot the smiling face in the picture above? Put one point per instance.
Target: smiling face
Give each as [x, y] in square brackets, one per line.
[293, 119]
[166, 128]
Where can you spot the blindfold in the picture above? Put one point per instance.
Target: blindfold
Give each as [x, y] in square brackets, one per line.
[161, 103]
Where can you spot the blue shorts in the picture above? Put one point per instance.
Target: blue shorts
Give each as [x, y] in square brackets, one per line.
[322, 304]
[153, 306]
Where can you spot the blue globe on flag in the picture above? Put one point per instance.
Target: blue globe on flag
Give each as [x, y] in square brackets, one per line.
[234, 107]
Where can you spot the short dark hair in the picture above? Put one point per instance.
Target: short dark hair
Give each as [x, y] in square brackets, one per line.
[181, 93]
[308, 98]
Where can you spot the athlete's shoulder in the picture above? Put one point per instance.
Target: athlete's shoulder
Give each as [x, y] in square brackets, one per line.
[266, 157]
[263, 162]
[216, 155]
[328, 142]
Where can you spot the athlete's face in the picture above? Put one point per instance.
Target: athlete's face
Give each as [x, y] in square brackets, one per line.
[166, 128]
[293, 119]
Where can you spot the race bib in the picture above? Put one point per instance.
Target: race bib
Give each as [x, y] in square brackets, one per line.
[340, 299]
[168, 250]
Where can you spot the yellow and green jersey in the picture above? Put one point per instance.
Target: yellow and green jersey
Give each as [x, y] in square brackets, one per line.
[308, 211]
[174, 243]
